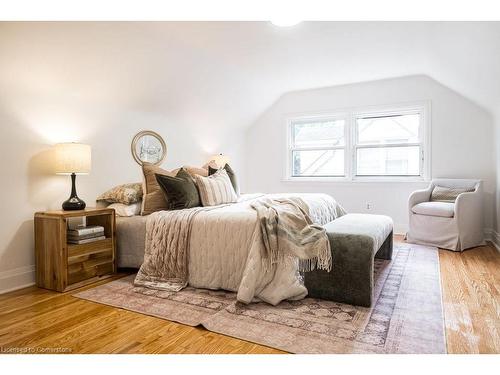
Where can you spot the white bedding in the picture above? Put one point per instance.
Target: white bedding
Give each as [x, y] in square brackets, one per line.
[225, 249]
[226, 245]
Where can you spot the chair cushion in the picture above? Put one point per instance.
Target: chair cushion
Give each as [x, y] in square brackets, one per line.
[442, 209]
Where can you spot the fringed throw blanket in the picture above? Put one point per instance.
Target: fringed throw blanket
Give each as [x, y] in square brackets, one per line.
[165, 264]
[289, 233]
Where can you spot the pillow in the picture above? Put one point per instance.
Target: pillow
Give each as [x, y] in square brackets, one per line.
[126, 194]
[196, 171]
[153, 199]
[180, 191]
[216, 189]
[447, 194]
[126, 209]
[230, 173]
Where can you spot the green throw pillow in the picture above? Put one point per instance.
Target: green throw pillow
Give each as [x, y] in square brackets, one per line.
[230, 173]
[181, 191]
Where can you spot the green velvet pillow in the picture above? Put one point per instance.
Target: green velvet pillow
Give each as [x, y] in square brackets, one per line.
[230, 173]
[181, 191]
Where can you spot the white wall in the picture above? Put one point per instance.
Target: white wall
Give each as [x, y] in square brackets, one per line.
[462, 145]
[31, 123]
[97, 83]
[198, 85]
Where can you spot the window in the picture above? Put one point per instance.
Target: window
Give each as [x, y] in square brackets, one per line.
[388, 144]
[356, 145]
[318, 148]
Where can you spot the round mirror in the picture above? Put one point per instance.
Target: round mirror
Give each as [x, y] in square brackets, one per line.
[148, 147]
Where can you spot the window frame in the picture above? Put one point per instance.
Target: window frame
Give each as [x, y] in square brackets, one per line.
[291, 147]
[351, 143]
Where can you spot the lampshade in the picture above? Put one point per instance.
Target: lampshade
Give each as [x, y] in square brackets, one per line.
[221, 160]
[72, 158]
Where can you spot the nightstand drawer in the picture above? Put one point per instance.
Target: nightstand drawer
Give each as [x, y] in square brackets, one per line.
[89, 260]
[78, 272]
[89, 248]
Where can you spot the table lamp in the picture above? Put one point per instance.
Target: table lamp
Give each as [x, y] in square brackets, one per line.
[72, 159]
[220, 160]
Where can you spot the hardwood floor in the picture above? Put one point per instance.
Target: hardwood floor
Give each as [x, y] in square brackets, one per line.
[471, 298]
[38, 320]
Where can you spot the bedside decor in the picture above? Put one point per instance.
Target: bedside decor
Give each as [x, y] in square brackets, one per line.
[72, 159]
[69, 258]
[148, 147]
[220, 160]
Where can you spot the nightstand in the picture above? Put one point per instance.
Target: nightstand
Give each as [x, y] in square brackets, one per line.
[62, 266]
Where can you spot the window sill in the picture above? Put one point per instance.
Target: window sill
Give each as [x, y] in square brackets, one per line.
[357, 180]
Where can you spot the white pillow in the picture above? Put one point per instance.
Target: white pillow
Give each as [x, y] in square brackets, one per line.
[126, 209]
[215, 189]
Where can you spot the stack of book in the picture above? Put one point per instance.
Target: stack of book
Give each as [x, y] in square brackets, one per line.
[88, 234]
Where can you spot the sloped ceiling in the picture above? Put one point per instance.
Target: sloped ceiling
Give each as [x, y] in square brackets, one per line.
[225, 74]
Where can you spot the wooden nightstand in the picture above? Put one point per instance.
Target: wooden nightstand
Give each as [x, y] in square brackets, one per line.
[61, 266]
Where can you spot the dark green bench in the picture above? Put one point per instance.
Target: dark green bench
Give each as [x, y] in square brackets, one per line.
[355, 240]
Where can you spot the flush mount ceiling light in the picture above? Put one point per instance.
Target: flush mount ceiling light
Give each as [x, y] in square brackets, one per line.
[283, 22]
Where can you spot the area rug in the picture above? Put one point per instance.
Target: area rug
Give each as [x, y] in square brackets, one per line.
[407, 316]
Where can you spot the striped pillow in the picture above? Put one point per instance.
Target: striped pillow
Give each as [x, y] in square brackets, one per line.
[215, 189]
[447, 194]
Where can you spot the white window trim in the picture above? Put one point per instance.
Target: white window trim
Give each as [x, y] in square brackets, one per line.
[350, 115]
[290, 148]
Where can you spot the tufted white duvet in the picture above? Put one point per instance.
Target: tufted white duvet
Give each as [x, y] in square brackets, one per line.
[226, 247]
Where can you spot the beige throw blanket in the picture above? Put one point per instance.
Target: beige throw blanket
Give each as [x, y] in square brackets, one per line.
[165, 265]
[289, 234]
[253, 247]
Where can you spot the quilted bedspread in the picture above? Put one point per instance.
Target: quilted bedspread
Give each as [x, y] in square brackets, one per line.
[226, 250]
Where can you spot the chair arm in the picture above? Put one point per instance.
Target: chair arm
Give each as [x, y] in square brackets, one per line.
[469, 218]
[419, 196]
[469, 205]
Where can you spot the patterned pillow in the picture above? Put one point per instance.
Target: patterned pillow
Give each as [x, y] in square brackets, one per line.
[447, 194]
[215, 189]
[126, 194]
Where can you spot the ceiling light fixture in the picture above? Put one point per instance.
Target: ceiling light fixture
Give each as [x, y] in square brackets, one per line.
[283, 22]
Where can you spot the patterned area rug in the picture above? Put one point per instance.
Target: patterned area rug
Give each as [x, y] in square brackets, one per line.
[407, 316]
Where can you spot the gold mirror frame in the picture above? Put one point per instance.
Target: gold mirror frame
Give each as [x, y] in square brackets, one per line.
[153, 134]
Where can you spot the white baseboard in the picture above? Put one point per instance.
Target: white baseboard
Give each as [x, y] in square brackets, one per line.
[17, 278]
[492, 236]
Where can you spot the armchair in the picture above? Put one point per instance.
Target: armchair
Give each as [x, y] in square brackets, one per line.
[454, 226]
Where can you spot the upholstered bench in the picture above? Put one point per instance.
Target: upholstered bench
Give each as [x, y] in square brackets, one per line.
[355, 240]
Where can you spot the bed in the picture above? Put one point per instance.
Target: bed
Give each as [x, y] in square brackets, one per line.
[225, 248]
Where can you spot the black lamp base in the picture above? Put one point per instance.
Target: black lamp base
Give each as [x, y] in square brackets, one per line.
[73, 203]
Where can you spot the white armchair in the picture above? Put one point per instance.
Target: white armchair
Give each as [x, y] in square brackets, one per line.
[454, 226]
